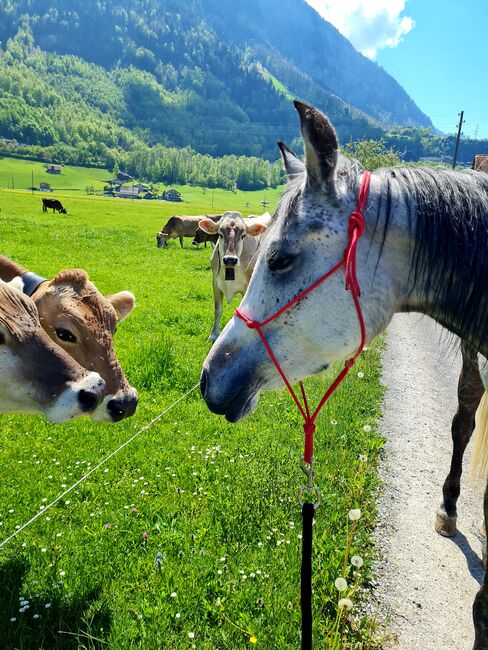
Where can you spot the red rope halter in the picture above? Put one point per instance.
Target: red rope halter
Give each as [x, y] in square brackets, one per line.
[355, 230]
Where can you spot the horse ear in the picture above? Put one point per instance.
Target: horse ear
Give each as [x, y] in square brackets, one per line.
[123, 303]
[209, 226]
[321, 147]
[293, 165]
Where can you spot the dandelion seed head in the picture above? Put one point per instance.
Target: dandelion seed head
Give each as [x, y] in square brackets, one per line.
[354, 514]
[340, 584]
[357, 561]
[345, 603]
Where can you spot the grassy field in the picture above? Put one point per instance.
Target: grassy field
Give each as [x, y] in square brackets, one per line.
[217, 501]
[73, 181]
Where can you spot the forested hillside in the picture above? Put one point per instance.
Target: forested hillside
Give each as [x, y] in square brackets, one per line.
[168, 76]
[134, 81]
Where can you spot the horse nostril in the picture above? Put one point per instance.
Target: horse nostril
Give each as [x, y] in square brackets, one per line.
[88, 400]
[122, 408]
[203, 383]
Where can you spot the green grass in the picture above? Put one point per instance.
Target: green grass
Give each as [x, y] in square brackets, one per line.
[218, 501]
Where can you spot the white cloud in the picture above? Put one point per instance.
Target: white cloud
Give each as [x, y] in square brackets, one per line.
[370, 25]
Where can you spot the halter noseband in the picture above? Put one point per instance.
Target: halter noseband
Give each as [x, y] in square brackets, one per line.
[356, 227]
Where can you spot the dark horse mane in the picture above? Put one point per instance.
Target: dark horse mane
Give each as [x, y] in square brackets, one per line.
[448, 217]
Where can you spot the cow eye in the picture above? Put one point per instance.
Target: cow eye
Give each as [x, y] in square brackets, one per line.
[2, 338]
[65, 335]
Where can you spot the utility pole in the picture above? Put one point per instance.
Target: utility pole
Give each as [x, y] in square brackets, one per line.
[32, 182]
[460, 126]
[476, 132]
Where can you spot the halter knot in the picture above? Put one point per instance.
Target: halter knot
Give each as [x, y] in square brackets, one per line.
[309, 427]
[356, 222]
[252, 324]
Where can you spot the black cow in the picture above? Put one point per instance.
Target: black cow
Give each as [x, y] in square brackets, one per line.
[54, 204]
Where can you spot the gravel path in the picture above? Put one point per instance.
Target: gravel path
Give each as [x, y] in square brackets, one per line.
[426, 581]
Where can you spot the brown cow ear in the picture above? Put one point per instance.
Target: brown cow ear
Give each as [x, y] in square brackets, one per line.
[321, 148]
[209, 226]
[123, 303]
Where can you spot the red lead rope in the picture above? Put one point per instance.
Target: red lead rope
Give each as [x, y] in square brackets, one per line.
[355, 230]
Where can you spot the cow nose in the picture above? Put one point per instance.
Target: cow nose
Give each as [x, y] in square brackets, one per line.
[123, 407]
[230, 260]
[89, 400]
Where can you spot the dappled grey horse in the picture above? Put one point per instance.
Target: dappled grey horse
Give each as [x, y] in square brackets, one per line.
[425, 249]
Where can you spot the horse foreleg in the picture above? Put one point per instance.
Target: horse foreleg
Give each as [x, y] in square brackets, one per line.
[470, 391]
[480, 605]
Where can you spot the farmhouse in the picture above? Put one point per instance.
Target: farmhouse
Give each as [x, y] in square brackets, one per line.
[124, 178]
[44, 187]
[129, 192]
[171, 195]
[54, 169]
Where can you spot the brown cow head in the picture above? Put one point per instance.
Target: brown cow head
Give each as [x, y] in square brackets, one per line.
[36, 375]
[161, 239]
[83, 321]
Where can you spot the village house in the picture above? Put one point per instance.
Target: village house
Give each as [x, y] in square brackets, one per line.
[54, 169]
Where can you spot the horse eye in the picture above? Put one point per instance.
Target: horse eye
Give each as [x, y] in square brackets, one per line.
[281, 263]
[65, 335]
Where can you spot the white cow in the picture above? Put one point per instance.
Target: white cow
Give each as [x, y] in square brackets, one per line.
[233, 257]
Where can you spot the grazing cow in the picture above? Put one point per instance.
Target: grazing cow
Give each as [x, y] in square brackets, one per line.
[203, 237]
[82, 321]
[233, 257]
[181, 226]
[54, 204]
[37, 376]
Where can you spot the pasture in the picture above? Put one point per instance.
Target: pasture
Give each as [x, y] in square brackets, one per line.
[217, 501]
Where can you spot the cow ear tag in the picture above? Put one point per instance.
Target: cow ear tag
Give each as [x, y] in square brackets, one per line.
[230, 273]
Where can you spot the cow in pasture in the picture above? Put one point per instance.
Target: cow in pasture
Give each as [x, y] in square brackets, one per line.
[54, 204]
[233, 257]
[203, 237]
[37, 376]
[82, 321]
[181, 226]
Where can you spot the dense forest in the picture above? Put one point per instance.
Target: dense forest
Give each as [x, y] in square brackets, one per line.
[154, 87]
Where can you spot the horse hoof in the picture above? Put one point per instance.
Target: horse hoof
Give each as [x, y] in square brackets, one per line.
[444, 524]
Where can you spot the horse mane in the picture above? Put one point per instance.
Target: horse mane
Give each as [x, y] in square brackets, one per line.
[448, 217]
[447, 213]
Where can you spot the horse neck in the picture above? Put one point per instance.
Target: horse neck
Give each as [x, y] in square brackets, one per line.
[445, 253]
[10, 269]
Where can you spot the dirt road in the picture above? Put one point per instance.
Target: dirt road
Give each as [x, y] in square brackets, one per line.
[428, 582]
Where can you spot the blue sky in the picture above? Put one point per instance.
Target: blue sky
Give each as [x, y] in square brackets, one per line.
[435, 49]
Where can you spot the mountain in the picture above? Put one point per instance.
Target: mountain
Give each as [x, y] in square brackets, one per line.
[175, 75]
[100, 81]
[290, 34]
